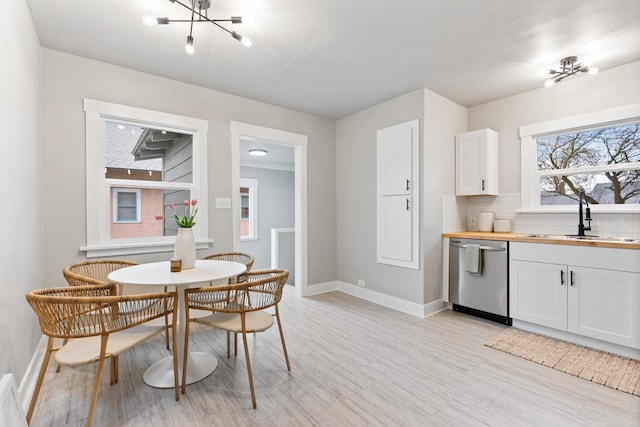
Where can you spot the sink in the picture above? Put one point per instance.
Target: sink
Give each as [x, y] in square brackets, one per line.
[603, 239]
[588, 238]
[547, 236]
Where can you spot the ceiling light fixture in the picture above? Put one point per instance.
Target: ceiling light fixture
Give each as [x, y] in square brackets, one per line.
[568, 67]
[199, 13]
[258, 152]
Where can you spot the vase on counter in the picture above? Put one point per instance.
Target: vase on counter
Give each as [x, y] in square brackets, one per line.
[185, 247]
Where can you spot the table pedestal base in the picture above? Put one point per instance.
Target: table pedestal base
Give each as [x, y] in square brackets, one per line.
[160, 374]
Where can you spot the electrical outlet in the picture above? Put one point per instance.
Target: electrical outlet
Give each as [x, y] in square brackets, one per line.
[361, 283]
[474, 221]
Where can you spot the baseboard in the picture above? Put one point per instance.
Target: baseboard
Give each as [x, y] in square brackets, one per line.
[398, 304]
[321, 288]
[29, 380]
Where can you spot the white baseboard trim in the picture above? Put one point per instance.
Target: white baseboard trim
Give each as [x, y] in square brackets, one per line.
[398, 304]
[321, 288]
[28, 384]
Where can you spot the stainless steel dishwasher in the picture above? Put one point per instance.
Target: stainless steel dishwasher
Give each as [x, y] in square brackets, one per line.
[479, 278]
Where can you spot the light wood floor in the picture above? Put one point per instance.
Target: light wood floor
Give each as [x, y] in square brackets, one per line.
[353, 364]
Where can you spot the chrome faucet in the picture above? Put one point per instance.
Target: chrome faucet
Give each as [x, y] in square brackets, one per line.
[587, 214]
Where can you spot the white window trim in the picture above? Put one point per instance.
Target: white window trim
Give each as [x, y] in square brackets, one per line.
[98, 188]
[115, 205]
[530, 177]
[252, 184]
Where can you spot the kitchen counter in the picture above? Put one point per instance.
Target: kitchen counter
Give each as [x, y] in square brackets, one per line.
[542, 238]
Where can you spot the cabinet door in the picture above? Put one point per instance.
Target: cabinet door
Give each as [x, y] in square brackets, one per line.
[477, 163]
[394, 161]
[605, 305]
[538, 293]
[394, 217]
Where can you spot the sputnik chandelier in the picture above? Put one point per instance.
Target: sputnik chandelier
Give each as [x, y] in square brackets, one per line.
[199, 13]
[568, 67]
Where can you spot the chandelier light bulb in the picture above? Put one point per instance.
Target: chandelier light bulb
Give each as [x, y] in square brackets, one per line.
[189, 46]
[549, 83]
[149, 20]
[246, 41]
[593, 70]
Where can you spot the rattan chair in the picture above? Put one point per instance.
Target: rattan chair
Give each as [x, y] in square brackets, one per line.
[240, 257]
[239, 308]
[97, 325]
[96, 272]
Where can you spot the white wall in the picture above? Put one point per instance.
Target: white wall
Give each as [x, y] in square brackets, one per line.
[21, 256]
[575, 95]
[440, 120]
[275, 210]
[443, 119]
[68, 79]
[356, 193]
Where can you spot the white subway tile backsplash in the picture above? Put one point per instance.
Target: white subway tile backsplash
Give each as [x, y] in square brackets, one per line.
[458, 212]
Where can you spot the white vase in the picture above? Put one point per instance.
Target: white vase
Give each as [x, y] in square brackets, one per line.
[185, 248]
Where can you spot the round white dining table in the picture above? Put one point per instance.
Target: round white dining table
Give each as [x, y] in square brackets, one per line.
[158, 274]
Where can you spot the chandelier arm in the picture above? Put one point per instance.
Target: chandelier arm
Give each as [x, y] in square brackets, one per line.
[204, 18]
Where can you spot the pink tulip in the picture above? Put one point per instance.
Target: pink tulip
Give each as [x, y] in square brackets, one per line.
[186, 203]
[171, 206]
[193, 202]
[159, 217]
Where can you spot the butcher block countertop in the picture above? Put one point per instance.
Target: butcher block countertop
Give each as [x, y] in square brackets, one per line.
[601, 242]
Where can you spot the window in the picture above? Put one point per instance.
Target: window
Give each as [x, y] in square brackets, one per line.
[598, 153]
[248, 209]
[139, 163]
[126, 205]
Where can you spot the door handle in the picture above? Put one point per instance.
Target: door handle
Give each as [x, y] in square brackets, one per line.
[561, 277]
[572, 278]
[484, 248]
[407, 204]
[407, 185]
[483, 185]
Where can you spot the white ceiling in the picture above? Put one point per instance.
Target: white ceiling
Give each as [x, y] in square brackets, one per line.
[337, 57]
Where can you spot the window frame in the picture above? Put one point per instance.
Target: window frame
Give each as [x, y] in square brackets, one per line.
[252, 185]
[115, 206]
[530, 176]
[98, 187]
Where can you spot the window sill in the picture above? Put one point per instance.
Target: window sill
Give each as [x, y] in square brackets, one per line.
[249, 239]
[98, 251]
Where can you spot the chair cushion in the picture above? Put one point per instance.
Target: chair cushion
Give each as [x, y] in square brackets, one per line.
[257, 321]
[84, 350]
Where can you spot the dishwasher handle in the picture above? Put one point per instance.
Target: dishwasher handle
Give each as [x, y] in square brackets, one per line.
[482, 247]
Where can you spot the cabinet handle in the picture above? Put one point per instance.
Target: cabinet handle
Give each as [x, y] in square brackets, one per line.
[483, 185]
[407, 185]
[561, 277]
[572, 278]
[407, 204]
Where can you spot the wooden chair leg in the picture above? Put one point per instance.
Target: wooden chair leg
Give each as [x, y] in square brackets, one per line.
[185, 354]
[235, 344]
[96, 386]
[228, 345]
[284, 346]
[248, 359]
[43, 370]
[175, 364]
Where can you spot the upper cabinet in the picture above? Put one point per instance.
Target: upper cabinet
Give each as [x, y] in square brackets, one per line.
[398, 197]
[477, 163]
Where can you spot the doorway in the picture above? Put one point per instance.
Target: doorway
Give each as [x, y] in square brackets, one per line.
[284, 140]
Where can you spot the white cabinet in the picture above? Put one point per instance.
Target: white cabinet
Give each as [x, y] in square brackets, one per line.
[477, 163]
[551, 285]
[398, 195]
[537, 294]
